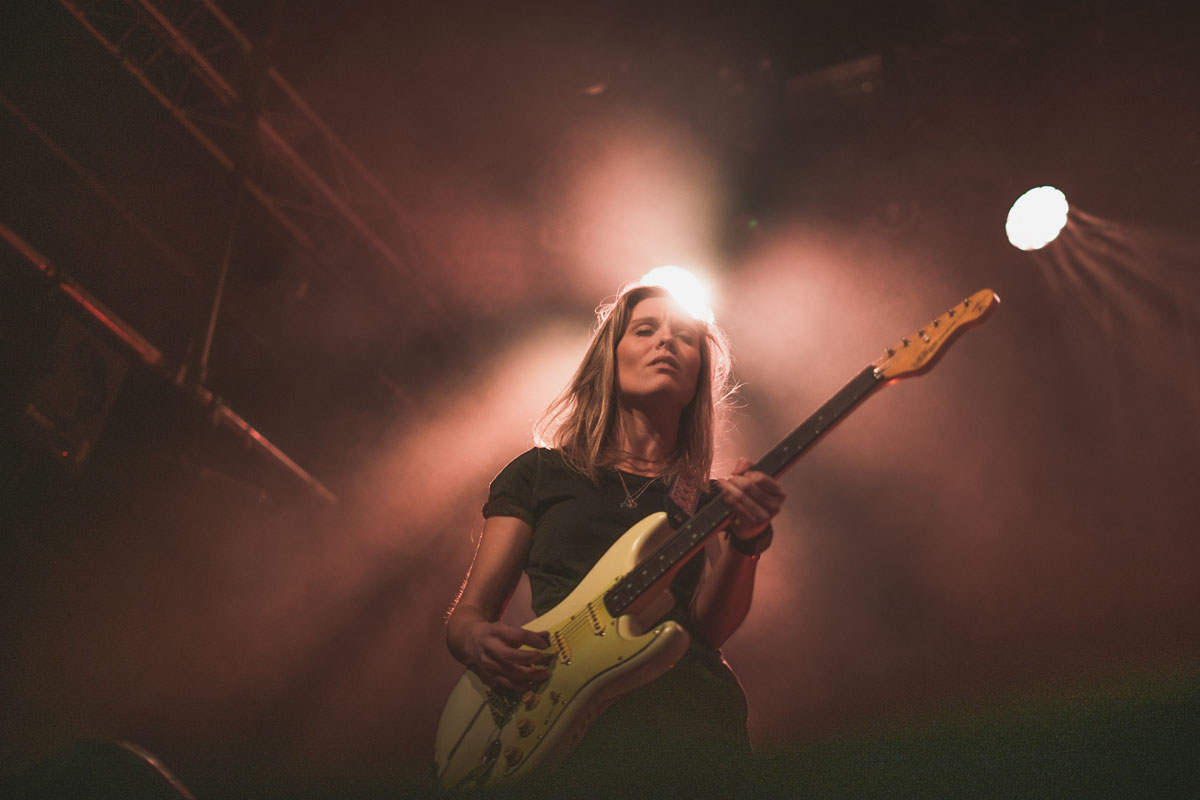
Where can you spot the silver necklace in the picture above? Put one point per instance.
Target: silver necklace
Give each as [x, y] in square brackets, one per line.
[630, 500]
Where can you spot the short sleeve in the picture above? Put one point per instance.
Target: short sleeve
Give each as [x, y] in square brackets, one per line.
[512, 491]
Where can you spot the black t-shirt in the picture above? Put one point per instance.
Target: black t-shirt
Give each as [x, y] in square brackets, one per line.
[575, 522]
[682, 735]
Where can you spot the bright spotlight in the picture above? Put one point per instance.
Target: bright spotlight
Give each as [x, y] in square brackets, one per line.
[1037, 217]
[688, 290]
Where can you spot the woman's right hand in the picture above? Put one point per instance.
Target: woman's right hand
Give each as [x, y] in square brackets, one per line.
[499, 652]
[495, 649]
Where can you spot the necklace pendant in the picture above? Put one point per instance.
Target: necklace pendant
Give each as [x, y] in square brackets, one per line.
[630, 500]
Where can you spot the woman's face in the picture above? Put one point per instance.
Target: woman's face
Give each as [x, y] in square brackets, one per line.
[658, 355]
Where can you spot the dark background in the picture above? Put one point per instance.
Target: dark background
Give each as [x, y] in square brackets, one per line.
[985, 581]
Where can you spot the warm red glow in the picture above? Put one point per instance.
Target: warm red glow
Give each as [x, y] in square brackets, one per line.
[631, 195]
[482, 421]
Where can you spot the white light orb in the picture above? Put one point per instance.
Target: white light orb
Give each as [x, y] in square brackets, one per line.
[1037, 218]
[687, 289]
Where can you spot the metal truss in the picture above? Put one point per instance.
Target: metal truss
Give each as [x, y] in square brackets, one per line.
[213, 80]
[136, 346]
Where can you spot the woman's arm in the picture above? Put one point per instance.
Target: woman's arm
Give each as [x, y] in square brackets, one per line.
[473, 633]
[726, 585]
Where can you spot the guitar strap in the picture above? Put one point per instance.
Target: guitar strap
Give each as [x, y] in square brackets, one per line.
[682, 501]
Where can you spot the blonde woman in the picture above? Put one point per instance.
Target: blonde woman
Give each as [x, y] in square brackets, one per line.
[633, 433]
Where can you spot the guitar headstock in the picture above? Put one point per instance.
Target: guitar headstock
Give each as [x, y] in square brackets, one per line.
[918, 351]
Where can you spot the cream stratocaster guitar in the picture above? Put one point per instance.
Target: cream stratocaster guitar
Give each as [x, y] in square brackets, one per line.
[606, 636]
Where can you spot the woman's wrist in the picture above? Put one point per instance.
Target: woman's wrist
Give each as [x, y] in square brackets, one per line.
[462, 634]
[754, 546]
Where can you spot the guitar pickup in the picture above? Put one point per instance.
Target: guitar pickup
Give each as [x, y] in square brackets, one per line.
[594, 618]
[560, 644]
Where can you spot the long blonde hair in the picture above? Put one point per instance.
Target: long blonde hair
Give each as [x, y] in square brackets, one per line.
[581, 422]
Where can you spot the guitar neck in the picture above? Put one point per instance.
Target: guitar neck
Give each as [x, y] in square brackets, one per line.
[912, 355]
[709, 519]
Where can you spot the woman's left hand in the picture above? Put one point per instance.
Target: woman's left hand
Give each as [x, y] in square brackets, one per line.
[754, 497]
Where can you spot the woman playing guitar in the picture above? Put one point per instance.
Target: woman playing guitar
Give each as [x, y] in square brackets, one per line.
[632, 434]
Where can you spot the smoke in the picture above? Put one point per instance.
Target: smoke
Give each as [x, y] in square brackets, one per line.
[627, 193]
[1018, 517]
[1012, 518]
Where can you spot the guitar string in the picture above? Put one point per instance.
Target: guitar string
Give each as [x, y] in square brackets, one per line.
[581, 622]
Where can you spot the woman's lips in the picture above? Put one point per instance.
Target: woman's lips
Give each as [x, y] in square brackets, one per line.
[665, 361]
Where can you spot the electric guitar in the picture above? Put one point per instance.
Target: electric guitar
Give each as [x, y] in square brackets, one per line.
[606, 637]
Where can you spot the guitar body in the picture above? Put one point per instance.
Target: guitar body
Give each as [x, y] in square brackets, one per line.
[490, 736]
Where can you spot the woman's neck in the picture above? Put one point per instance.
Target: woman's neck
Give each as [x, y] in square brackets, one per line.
[644, 445]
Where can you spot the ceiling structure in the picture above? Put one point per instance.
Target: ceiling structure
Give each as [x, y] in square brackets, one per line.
[334, 165]
[366, 239]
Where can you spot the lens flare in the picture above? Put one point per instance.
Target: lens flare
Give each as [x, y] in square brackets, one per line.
[687, 289]
[1037, 218]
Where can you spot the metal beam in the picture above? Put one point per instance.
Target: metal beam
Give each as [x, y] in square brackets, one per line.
[196, 63]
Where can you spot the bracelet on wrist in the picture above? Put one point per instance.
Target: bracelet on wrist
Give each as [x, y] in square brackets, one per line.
[755, 546]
